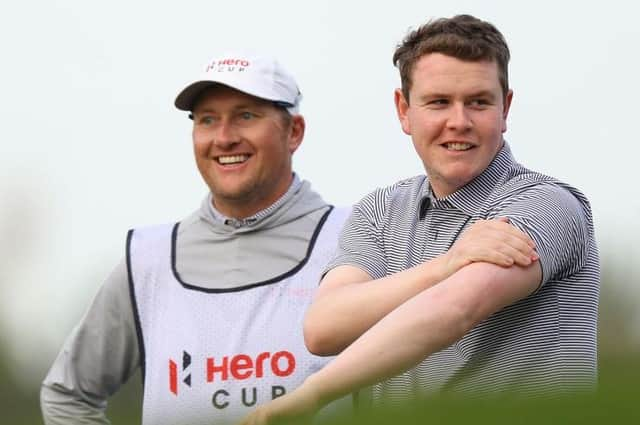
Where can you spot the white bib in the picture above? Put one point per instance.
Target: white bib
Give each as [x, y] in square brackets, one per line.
[210, 356]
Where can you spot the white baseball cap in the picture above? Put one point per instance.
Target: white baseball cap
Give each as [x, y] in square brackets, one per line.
[258, 75]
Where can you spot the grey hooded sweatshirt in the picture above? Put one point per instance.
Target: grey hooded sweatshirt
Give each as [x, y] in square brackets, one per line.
[212, 251]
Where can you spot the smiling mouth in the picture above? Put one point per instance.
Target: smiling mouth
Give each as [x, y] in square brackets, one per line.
[232, 159]
[458, 146]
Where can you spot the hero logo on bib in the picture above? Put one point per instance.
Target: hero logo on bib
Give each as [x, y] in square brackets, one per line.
[173, 372]
[238, 367]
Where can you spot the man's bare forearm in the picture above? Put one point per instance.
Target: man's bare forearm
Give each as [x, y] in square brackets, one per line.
[425, 324]
[349, 302]
[341, 314]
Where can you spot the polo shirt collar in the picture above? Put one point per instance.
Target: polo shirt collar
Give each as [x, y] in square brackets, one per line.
[470, 198]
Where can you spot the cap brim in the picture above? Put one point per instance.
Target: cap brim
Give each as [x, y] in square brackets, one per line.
[188, 96]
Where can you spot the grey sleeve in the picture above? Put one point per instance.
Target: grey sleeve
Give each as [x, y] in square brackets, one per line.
[97, 358]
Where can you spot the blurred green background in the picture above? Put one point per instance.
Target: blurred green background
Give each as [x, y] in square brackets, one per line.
[618, 398]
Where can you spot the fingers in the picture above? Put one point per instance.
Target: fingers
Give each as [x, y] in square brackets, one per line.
[499, 228]
[512, 230]
[494, 257]
[521, 256]
[494, 241]
[499, 253]
[515, 247]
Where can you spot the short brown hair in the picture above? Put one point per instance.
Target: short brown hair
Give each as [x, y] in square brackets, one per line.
[463, 37]
[285, 116]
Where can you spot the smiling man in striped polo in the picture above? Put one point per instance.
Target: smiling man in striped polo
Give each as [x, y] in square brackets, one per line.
[484, 328]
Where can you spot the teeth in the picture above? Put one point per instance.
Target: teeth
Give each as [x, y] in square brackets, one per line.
[232, 159]
[458, 146]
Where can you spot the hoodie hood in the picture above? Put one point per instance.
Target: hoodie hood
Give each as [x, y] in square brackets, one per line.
[213, 252]
[298, 201]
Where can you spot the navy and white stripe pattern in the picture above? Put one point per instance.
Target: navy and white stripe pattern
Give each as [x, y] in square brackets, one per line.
[545, 342]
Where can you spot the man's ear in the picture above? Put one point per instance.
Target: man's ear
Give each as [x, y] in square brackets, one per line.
[296, 133]
[402, 107]
[505, 109]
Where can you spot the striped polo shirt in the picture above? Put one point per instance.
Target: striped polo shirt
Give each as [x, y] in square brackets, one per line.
[544, 342]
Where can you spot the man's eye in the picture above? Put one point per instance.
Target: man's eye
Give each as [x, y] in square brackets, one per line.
[206, 120]
[479, 102]
[438, 102]
[246, 115]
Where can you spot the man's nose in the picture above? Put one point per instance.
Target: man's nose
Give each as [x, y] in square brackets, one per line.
[225, 135]
[459, 118]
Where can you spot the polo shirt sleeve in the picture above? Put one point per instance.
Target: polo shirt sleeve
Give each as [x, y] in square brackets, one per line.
[560, 224]
[360, 242]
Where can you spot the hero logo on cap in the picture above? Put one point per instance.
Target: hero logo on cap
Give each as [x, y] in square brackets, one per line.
[256, 75]
[228, 65]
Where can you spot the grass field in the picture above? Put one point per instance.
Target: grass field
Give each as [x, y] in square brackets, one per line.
[617, 402]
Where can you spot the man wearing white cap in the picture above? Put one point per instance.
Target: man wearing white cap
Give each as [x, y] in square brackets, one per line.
[211, 308]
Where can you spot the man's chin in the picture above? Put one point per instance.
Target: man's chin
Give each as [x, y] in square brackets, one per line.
[240, 195]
